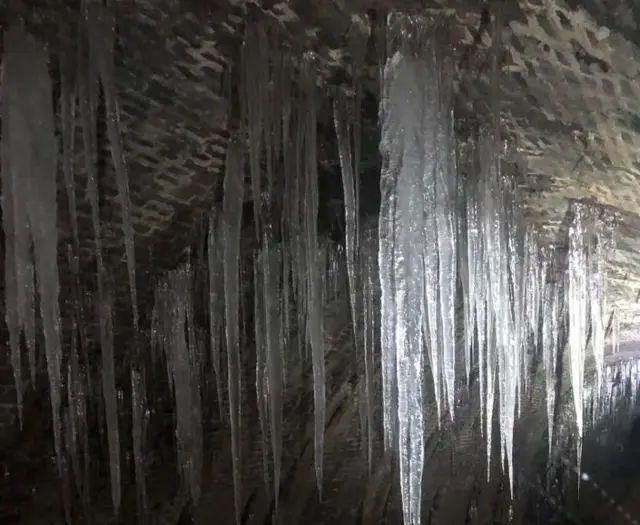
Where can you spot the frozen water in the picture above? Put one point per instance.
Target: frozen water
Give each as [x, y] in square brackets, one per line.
[344, 127]
[578, 293]
[110, 398]
[29, 159]
[314, 285]
[231, 229]
[101, 28]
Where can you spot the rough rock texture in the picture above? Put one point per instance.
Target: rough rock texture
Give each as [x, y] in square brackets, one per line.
[569, 87]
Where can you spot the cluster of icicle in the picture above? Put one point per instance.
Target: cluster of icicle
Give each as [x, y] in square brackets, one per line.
[277, 146]
[447, 214]
[451, 238]
[620, 386]
[30, 159]
[590, 242]
[294, 273]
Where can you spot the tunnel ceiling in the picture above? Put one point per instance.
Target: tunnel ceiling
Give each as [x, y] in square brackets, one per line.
[569, 91]
[568, 103]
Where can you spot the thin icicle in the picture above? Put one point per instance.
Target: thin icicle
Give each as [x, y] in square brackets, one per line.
[313, 273]
[10, 215]
[369, 276]
[231, 228]
[596, 301]
[615, 332]
[101, 27]
[88, 90]
[111, 400]
[29, 169]
[273, 358]
[549, 343]
[68, 88]
[261, 368]
[577, 306]
[173, 304]
[138, 398]
[216, 299]
[343, 133]
[73, 372]
[255, 81]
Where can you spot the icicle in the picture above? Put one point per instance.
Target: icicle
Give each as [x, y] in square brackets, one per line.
[368, 276]
[101, 27]
[466, 278]
[138, 402]
[255, 81]
[231, 228]
[195, 381]
[73, 371]
[433, 321]
[261, 368]
[68, 71]
[596, 301]
[216, 299]
[286, 304]
[174, 307]
[343, 128]
[615, 332]
[88, 89]
[110, 399]
[549, 342]
[358, 40]
[313, 273]
[490, 388]
[577, 306]
[443, 153]
[417, 157]
[495, 329]
[273, 357]
[387, 301]
[29, 177]
[11, 221]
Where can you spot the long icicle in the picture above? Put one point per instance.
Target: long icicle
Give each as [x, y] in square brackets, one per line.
[261, 375]
[314, 286]
[29, 168]
[110, 398]
[216, 299]
[272, 352]
[343, 134]
[101, 25]
[231, 228]
[255, 79]
[577, 306]
[415, 125]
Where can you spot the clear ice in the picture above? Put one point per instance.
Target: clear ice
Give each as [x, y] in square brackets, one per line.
[110, 394]
[314, 310]
[449, 211]
[577, 300]
[344, 127]
[29, 165]
[231, 229]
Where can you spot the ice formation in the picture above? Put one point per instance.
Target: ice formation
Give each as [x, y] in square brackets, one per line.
[451, 254]
[231, 220]
[577, 301]
[105, 311]
[29, 164]
[314, 307]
